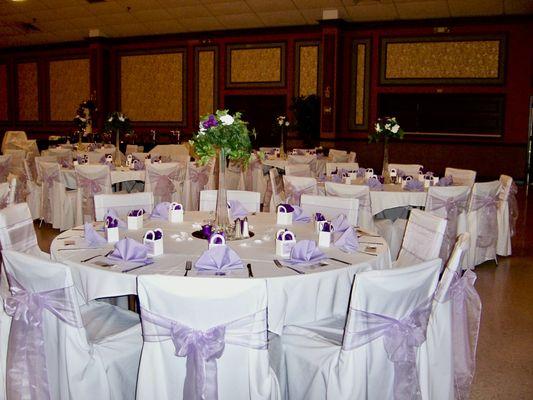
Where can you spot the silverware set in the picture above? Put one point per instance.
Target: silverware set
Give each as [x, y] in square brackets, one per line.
[98, 255]
[188, 267]
[250, 273]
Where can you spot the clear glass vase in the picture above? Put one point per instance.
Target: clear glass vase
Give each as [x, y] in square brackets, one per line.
[222, 222]
[118, 155]
[385, 170]
[282, 143]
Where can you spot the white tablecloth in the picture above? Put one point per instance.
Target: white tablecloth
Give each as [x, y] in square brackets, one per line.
[281, 163]
[121, 174]
[293, 298]
[393, 196]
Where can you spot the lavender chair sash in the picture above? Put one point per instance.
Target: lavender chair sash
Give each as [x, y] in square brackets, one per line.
[199, 176]
[203, 348]
[19, 236]
[4, 170]
[401, 338]
[163, 184]
[91, 186]
[486, 219]
[466, 316]
[27, 376]
[294, 193]
[513, 208]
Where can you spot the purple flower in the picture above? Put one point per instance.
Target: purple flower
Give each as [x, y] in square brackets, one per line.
[210, 122]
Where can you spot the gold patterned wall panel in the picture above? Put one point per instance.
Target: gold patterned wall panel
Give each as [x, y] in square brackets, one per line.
[152, 86]
[69, 86]
[28, 92]
[307, 61]
[430, 60]
[256, 65]
[206, 81]
[360, 79]
[3, 93]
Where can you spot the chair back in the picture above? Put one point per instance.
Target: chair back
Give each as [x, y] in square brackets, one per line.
[331, 167]
[331, 209]
[382, 303]
[453, 266]
[450, 203]
[365, 218]
[276, 185]
[198, 179]
[17, 231]
[5, 167]
[338, 156]
[12, 139]
[64, 156]
[296, 186]
[91, 180]
[422, 239]
[166, 181]
[352, 157]
[230, 315]
[4, 194]
[250, 200]
[309, 159]
[122, 203]
[38, 161]
[52, 184]
[463, 177]
[298, 170]
[408, 169]
[507, 215]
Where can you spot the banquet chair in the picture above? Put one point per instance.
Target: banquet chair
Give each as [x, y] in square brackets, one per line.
[408, 169]
[365, 218]
[38, 161]
[5, 167]
[34, 191]
[450, 349]
[422, 240]
[352, 157]
[450, 203]
[132, 148]
[12, 138]
[295, 186]
[311, 160]
[507, 215]
[234, 176]
[122, 203]
[255, 179]
[18, 170]
[277, 194]
[463, 177]
[341, 358]
[331, 167]
[198, 178]
[250, 200]
[5, 191]
[298, 170]
[312, 204]
[58, 205]
[91, 180]
[100, 345]
[230, 317]
[166, 181]
[482, 222]
[64, 156]
[338, 156]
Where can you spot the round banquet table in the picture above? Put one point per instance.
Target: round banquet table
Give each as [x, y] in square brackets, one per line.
[121, 174]
[281, 163]
[319, 292]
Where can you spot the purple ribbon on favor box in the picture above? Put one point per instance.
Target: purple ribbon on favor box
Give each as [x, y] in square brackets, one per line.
[27, 374]
[136, 213]
[326, 227]
[112, 214]
[319, 217]
[111, 222]
[288, 208]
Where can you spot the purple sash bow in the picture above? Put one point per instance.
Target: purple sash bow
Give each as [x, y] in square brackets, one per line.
[466, 316]
[91, 186]
[400, 338]
[203, 348]
[294, 194]
[513, 208]
[26, 360]
[486, 219]
[199, 176]
[163, 184]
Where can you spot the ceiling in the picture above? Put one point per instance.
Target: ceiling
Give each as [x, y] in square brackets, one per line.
[70, 20]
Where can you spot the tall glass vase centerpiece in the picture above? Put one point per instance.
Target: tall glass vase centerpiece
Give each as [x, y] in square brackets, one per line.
[225, 137]
[283, 124]
[83, 120]
[118, 124]
[386, 128]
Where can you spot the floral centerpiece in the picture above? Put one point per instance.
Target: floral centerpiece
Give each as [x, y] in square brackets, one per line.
[226, 137]
[119, 124]
[386, 128]
[84, 118]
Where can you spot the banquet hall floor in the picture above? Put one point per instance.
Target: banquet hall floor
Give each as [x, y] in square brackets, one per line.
[505, 348]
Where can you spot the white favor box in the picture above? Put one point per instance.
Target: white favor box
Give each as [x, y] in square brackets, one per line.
[284, 246]
[154, 246]
[212, 240]
[175, 216]
[435, 180]
[284, 217]
[421, 177]
[393, 172]
[428, 182]
[405, 180]
[112, 235]
[135, 223]
[369, 173]
[318, 226]
[324, 238]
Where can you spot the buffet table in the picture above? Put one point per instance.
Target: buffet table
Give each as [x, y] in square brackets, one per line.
[294, 297]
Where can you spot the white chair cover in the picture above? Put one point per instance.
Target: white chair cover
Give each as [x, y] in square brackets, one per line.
[234, 176]
[482, 221]
[91, 180]
[204, 336]
[295, 186]
[4, 194]
[5, 165]
[166, 181]
[422, 240]
[57, 206]
[38, 161]
[34, 191]
[449, 203]
[255, 179]
[250, 200]
[17, 170]
[64, 156]
[365, 218]
[309, 159]
[352, 156]
[298, 170]
[360, 361]
[331, 209]
[507, 215]
[275, 192]
[463, 177]
[122, 203]
[198, 179]
[100, 345]
[338, 156]
[338, 166]
[174, 152]
[13, 140]
[408, 169]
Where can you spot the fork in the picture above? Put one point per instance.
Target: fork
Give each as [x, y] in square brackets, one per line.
[188, 267]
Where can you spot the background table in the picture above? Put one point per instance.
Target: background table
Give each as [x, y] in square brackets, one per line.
[293, 298]
[121, 174]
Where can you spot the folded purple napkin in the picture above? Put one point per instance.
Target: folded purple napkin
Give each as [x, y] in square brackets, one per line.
[305, 252]
[93, 238]
[337, 178]
[299, 215]
[340, 223]
[236, 209]
[129, 250]
[374, 184]
[361, 172]
[414, 186]
[160, 211]
[219, 258]
[347, 241]
[138, 164]
[445, 181]
[112, 213]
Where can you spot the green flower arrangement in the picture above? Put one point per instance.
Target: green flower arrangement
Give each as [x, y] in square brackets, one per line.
[224, 132]
[388, 128]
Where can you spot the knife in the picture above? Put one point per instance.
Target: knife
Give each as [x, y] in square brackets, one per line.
[280, 265]
[341, 261]
[250, 273]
